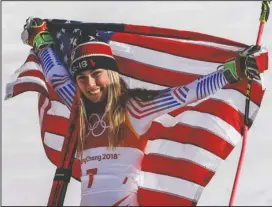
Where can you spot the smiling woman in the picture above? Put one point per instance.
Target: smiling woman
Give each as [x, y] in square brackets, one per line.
[94, 84]
[115, 121]
[24, 143]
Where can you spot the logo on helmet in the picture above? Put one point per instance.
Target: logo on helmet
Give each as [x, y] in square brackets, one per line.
[92, 63]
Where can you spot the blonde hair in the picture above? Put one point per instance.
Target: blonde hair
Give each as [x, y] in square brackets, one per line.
[115, 112]
[116, 108]
[82, 125]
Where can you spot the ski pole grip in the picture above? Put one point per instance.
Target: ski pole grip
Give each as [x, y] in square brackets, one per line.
[63, 174]
[265, 11]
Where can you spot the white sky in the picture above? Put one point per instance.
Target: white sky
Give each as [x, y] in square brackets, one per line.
[27, 173]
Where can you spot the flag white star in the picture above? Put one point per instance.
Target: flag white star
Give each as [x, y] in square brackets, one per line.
[61, 46]
[68, 21]
[73, 41]
[91, 37]
[63, 30]
[58, 35]
[73, 55]
[75, 30]
[66, 59]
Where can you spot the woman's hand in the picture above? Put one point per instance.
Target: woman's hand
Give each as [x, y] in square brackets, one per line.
[248, 63]
[35, 34]
[244, 65]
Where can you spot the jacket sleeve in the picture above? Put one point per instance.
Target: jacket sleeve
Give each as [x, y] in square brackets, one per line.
[142, 114]
[57, 75]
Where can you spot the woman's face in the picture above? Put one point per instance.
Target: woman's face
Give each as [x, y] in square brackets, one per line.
[94, 84]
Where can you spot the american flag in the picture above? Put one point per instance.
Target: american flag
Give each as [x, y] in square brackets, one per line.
[185, 147]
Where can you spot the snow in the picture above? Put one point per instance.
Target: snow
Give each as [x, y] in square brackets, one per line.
[27, 173]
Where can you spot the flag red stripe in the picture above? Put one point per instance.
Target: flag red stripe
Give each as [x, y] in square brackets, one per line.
[217, 108]
[182, 49]
[157, 75]
[53, 155]
[41, 102]
[148, 197]
[195, 136]
[32, 58]
[33, 73]
[20, 88]
[262, 62]
[240, 86]
[55, 124]
[76, 169]
[177, 168]
[173, 33]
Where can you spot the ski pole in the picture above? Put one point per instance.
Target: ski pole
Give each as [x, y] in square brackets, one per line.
[263, 19]
[64, 171]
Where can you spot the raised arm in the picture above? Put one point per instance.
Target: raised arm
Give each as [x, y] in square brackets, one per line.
[36, 35]
[141, 113]
[57, 75]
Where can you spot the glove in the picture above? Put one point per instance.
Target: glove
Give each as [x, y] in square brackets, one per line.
[243, 66]
[35, 34]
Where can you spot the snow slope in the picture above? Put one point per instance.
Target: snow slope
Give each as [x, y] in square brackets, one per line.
[26, 172]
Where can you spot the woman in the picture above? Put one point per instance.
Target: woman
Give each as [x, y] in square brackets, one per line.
[113, 119]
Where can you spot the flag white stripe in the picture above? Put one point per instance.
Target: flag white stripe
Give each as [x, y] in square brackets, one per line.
[25, 79]
[53, 141]
[187, 152]
[59, 109]
[236, 100]
[25, 67]
[206, 44]
[178, 186]
[45, 104]
[162, 60]
[210, 123]
[29, 66]
[204, 121]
